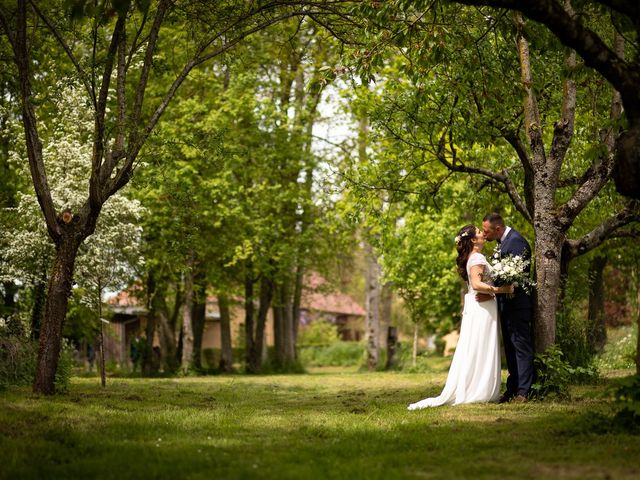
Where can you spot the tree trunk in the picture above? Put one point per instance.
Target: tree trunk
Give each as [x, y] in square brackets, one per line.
[266, 293]
[546, 170]
[289, 324]
[278, 326]
[548, 247]
[167, 342]
[226, 351]
[638, 336]
[187, 321]
[58, 294]
[414, 351]
[103, 367]
[372, 302]
[150, 328]
[167, 335]
[172, 324]
[199, 317]
[297, 301]
[391, 342]
[40, 297]
[386, 300]
[248, 317]
[597, 334]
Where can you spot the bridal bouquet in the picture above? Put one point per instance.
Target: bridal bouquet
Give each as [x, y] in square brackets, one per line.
[511, 270]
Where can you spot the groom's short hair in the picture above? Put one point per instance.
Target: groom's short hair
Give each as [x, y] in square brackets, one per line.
[493, 218]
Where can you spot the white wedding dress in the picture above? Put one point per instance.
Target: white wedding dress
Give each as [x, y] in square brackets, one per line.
[474, 375]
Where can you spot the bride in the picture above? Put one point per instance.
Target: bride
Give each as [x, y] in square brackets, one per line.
[474, 375]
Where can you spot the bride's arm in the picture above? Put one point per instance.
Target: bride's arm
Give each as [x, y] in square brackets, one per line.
[475, 279]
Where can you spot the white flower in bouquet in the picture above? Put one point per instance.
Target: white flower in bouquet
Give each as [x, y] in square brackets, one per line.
[511, 270]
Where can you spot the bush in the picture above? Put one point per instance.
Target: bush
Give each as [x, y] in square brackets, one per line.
[318, 333]
[338, 353]
[17, 360]
[572, 338]
[65, 367]
[620, 352]
[555, 375]
[626, 401]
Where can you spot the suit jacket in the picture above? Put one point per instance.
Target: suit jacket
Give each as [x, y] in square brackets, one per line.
[515, 244]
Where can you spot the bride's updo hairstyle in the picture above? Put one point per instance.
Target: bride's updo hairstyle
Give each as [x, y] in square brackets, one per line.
[464, 246]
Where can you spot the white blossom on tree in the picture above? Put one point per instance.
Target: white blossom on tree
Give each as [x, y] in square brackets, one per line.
[110, 257]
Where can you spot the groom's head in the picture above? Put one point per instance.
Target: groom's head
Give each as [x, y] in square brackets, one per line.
[493, 226]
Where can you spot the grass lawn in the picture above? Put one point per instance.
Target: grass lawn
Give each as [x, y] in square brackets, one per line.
[327, 424]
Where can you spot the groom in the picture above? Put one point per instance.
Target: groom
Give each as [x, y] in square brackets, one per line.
[516, 313]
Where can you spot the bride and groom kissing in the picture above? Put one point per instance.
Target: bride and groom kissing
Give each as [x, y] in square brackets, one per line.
[474, 374]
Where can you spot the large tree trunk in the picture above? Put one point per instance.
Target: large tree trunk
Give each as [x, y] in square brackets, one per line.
[548, 246]
[372, 301]
[226, 350]
[597, 334]
[59, 290]
[549, 231]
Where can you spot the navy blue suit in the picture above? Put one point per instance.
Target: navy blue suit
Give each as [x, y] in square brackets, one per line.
[516, 316]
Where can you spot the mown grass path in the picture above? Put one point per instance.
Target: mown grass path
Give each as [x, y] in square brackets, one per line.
[320, 425]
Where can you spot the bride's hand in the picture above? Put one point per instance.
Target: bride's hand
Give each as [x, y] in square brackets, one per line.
[483, 297]
[508, 289]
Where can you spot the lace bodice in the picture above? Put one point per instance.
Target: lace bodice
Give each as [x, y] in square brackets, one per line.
[477, 259]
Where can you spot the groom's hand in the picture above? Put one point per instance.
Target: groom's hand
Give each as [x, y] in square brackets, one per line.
[483, 297]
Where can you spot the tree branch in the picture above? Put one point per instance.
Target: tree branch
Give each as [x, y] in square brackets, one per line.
[630, 213]
[503, 178]
[533, 126]
[625, 77]
[148, 61]
[630, 8]
[34, 146]
[563, 129]
[4, 20]
[96, 199]
[598, 174]
[67, 49]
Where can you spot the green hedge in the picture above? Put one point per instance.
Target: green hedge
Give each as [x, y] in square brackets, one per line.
[338, 353]
[17, 360]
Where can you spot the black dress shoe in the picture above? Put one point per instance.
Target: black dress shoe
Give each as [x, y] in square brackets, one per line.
[505, 397]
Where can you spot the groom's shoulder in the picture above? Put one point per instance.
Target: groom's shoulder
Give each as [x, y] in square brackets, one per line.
[517, 237]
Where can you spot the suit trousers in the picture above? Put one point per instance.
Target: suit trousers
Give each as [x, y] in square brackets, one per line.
[518, 348]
